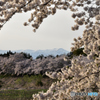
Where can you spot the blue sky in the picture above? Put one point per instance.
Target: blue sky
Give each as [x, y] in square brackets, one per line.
[54, 32]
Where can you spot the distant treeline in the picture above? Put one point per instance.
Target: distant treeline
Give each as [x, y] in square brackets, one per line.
[42, 56]
[7, 54]
[26, 55]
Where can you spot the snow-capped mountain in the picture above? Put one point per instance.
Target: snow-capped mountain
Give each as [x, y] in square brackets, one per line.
[35, 53]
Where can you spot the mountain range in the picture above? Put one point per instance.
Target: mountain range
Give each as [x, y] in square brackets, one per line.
[35, 53]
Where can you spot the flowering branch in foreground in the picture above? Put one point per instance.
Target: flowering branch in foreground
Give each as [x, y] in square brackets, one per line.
[84, 74]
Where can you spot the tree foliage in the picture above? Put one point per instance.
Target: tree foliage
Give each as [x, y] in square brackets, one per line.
[7, 54]
[20, 64]
[44, 8]
[40, 56]
[78, 52]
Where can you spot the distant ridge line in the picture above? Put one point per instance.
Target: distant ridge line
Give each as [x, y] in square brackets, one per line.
[35, 53]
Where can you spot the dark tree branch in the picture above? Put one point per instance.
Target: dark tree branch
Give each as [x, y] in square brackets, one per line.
[88, 76]
[26, 5]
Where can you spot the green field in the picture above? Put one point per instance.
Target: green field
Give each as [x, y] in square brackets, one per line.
[22, 87]
[18, 94]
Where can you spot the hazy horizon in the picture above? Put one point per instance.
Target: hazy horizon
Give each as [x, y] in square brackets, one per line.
[33, 49]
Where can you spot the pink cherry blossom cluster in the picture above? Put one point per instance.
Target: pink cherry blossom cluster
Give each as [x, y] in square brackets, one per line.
[84, 74]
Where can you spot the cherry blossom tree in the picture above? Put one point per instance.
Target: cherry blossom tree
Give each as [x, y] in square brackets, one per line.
[84, 74]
